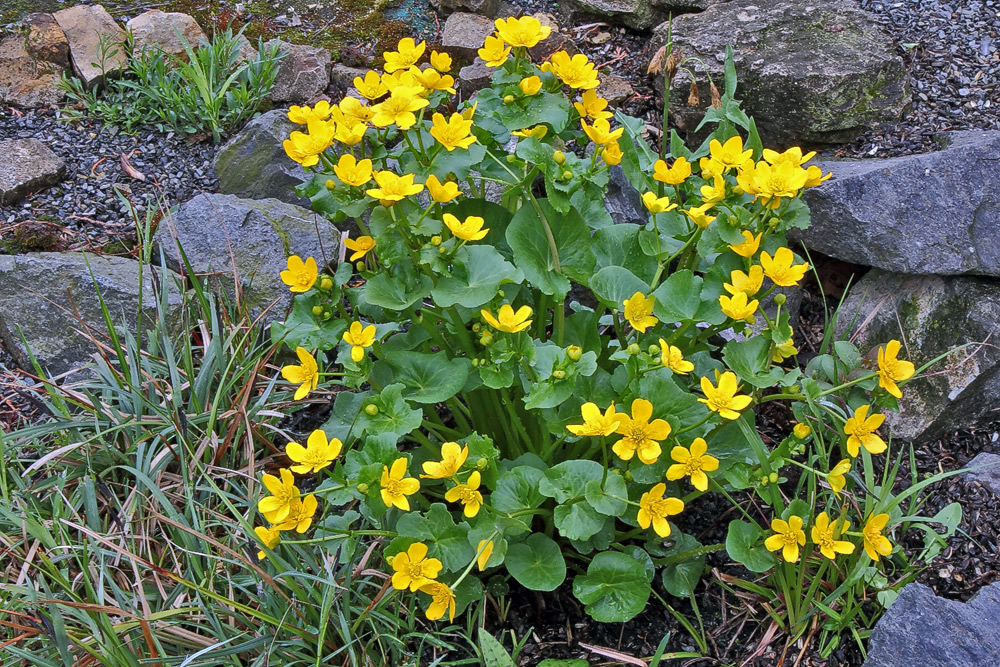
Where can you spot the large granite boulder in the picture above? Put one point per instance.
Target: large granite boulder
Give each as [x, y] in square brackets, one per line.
[931, 213]
[636, 14]
[303, 72]
[985, 470]
[27, 165]
[226, 237]
[809, 72]
[92, 35]
[932, 315]
[922, 630]
[48, 298]
[169, 32]
[254, 165]
[32, 64]
[489, 8]
[463, 34]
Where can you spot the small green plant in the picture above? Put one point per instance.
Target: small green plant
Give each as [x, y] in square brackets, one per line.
[213, 91]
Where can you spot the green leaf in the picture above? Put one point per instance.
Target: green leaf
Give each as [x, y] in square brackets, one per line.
[614, 589]
[740, 541]
[678, 297]
[613, 284]
[428, 378]
[397, 288]
[494, 654]
[445, 540]
[497, 217]
[476, 275]
[459, 162]
[537, 563]
[750, 359]
[301, 329]
[577, 520]
[601, 499]
[569, 662]
[529, 241]
[681, 577]
[568, 480]
[517, 489]
[394, 415]
[620, 245]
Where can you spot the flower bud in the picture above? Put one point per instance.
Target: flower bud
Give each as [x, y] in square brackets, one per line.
[435, 240]
[779, 299]
[559, 374]
[507, 99]
[363, 488]
[330, 185]
[574, 352]
[327, 314]
[559, 157]
[628, 475]
[751, 320]
[482, 462]
[477, 327]
[501, 294]
[763, 482]
[567, 175]
[773, 478]
[802, 431]
[633, 349]
[317, 310]
[653, 350]
[511, 158]
[486, 339]
[326, 284]
[475, 363]
[360, 266]
[794, 389]
[442, 250]
[371, 409]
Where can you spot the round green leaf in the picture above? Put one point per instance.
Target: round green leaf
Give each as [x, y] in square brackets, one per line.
[613, 284]
[740, 541]
[602, 500]
[614, 589]
[537, 563]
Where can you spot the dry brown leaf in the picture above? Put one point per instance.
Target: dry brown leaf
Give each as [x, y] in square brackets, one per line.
[130, 170]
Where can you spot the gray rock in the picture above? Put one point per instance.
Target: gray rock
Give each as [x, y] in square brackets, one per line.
[303, 72]
[636, 14]
[221, 232]
[343, 76]
[27, 165]
[463, 34]
[985, 470]
[819, 72]
[474, 77]
[46, 297]
[488, 8]
[26, 81]
[931, 213]
[166, 31]
[931, 315]
[615, 89]
[922, 630]
[254, 165]
[87, 28]
[622, 201]
[45, 39]
[558, 40]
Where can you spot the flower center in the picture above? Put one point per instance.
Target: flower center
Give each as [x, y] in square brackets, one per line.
[415, 571]
[392, 486]
[788, 538]
[635, 434]
[693, 465]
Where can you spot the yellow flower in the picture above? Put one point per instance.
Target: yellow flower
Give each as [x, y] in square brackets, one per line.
[300, 276]
[270, 537]
[737, 307]
[494, 52]
[788, 537]
[412, 569]
[592, 106]
[396, 485]
[640, 436]
[276, 506]
[354, 111]
[676, 174]
[316, 455]
[360, 247]
[398, 108]
[441, 192]
[442, 599]
[771, 183]
[359, 337]
[469, 112]
[639, 311]
[784, 350]
[672, 358]
[730, 154]
[656, 204]
[468, 494]
[305, 148]
[470, 230]
[724, 399]
[407, 53]
[801, 431]
[303, 115]
[890, 369]
[370, 87]
[526, 31]
[507, 320]
[815, 176]
[654, 509]
[782, 270]
[611, 153]
[693, 463]
[452, 459]
[793, 155]
[350, 134]
[452, 133]
[600, 132]
[440, 61]
[576, 72]
[699, 215]
[401, 78]
[300, 514]
[392, 188]
[825, 534]
[860, 430]
[306, 374]
[538, 132]
[876, 544]
[710, 167]
[836, 477]
[433, 80]
[595, 423]
[749, 246]
[352, 172]
[530, 85]
[713, 194]
[747, 283]
[483, 552]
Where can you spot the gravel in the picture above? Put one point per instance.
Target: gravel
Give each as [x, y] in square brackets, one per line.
[84, 210]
